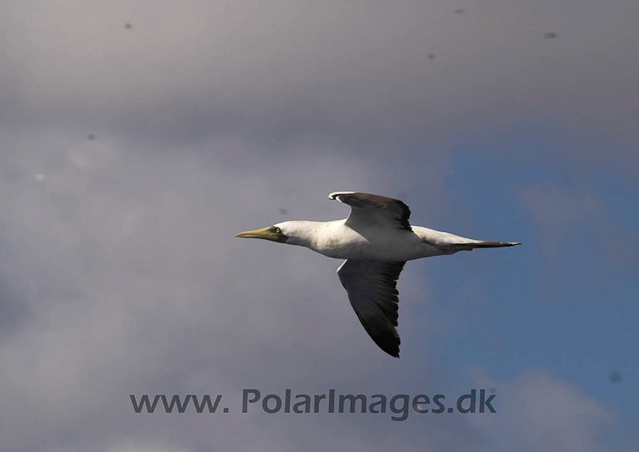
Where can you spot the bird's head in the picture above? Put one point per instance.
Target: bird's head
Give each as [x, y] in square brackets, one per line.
[301, 233]
[273, 233]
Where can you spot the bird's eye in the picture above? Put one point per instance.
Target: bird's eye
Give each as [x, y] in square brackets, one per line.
[278, 230]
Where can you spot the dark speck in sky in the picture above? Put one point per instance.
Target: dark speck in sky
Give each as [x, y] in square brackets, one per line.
[550, 35]
[459, 11]
[91, 137]
[283, 211]
[128, 26]
[431, 56]
[615, 377]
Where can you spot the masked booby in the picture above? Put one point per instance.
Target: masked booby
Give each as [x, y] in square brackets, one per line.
[375, 240]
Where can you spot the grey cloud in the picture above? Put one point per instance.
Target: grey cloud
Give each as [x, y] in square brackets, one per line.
[13, 308]
[348, 70]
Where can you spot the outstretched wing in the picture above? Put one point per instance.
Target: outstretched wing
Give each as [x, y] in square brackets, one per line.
[367, 208]
[372, 291]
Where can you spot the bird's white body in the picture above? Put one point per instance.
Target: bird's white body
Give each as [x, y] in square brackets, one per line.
[369, 241]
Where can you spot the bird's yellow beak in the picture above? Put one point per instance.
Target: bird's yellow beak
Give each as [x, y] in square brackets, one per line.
[271, 233]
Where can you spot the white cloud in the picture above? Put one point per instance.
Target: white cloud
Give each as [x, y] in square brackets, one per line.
[538, 411]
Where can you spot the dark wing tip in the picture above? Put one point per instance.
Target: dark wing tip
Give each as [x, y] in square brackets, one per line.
[390, 346]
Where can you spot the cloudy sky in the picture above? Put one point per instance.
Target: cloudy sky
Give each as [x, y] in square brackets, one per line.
[139, 136]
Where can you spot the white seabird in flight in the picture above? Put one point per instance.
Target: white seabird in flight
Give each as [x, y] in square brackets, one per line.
[376, 240]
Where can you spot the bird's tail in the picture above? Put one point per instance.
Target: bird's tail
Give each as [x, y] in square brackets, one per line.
[468, 246]
[451, 243]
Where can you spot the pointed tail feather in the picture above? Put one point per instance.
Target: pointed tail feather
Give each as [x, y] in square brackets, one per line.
[480, 244]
